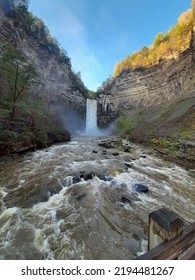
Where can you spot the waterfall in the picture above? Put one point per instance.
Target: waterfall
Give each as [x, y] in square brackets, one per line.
[91, 117]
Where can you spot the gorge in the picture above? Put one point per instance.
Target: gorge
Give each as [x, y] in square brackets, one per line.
[68, 192]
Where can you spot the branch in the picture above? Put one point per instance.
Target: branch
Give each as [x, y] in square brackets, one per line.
[23, 87]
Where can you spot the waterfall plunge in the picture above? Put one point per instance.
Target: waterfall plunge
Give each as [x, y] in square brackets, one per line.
[91, 117]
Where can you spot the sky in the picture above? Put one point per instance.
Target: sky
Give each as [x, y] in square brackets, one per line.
[99, 33]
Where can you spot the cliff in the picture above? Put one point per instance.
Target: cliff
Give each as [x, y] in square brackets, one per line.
[144, 87]
[155, 106]
[57, 85]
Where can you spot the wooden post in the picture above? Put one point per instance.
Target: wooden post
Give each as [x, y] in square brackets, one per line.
[182, 247]
[164, 225]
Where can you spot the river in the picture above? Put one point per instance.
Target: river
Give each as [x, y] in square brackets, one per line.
[77, 200]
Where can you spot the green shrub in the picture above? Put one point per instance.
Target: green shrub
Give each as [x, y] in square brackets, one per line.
[41, 139]
[124, 123]
[185, 135]
[164, 143]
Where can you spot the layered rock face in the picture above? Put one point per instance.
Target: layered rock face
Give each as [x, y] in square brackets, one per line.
[170, 79]
[57, 83]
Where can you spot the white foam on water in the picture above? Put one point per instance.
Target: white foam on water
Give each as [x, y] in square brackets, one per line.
[54, 222]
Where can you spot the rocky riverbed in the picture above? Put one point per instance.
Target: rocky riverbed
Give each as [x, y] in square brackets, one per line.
[81, 200]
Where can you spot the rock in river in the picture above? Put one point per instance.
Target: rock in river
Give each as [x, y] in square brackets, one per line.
[140, 188]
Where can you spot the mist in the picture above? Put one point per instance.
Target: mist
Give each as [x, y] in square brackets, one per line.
[80, 123]
[91, 121]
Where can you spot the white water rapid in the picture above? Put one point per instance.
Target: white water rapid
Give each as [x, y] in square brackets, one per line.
[77, 200]
[91, 117]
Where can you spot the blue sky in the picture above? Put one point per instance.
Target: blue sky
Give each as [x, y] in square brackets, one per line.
[98, 33]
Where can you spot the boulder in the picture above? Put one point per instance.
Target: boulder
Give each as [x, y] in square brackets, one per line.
[125, 199]
[106, 178]
[115, 154]
[129, 165]
[127, 149]
[76, 179]
[88, 176]
[81, 196]
[140, 188]
[107, 145]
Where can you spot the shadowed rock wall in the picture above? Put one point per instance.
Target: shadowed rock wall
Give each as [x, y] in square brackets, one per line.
[57, 82]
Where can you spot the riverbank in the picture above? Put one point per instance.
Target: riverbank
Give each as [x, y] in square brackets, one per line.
[169, 129]
[179, 152]
[16, 143]
[174, 151]
[182, 153]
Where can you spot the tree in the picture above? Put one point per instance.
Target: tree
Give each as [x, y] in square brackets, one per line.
[22, 3]
[117, 69]
[35, 113]
[193, 8]
[185, 18]
[159, 39]
[6, 6]
[18, 75]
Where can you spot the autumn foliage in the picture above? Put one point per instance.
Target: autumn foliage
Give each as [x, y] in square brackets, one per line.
[167, 46]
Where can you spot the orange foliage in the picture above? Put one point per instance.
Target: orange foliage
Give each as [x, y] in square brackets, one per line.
[185, 17]
[166, 46]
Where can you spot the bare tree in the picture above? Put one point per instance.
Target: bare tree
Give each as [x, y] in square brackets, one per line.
[18, 76]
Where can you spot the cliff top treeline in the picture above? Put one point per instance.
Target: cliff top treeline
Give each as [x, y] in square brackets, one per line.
[33, 26]
[165, 46]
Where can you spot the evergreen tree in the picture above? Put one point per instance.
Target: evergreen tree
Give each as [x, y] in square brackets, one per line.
[6, 6]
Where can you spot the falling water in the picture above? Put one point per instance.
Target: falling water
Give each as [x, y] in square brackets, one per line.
[91, 117]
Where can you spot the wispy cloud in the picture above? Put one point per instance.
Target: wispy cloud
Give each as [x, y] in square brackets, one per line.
[72, 34]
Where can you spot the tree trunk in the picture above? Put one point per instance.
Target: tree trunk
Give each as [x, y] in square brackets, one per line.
[12, 114]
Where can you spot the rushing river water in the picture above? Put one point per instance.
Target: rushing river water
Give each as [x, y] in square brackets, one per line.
[51, 207]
